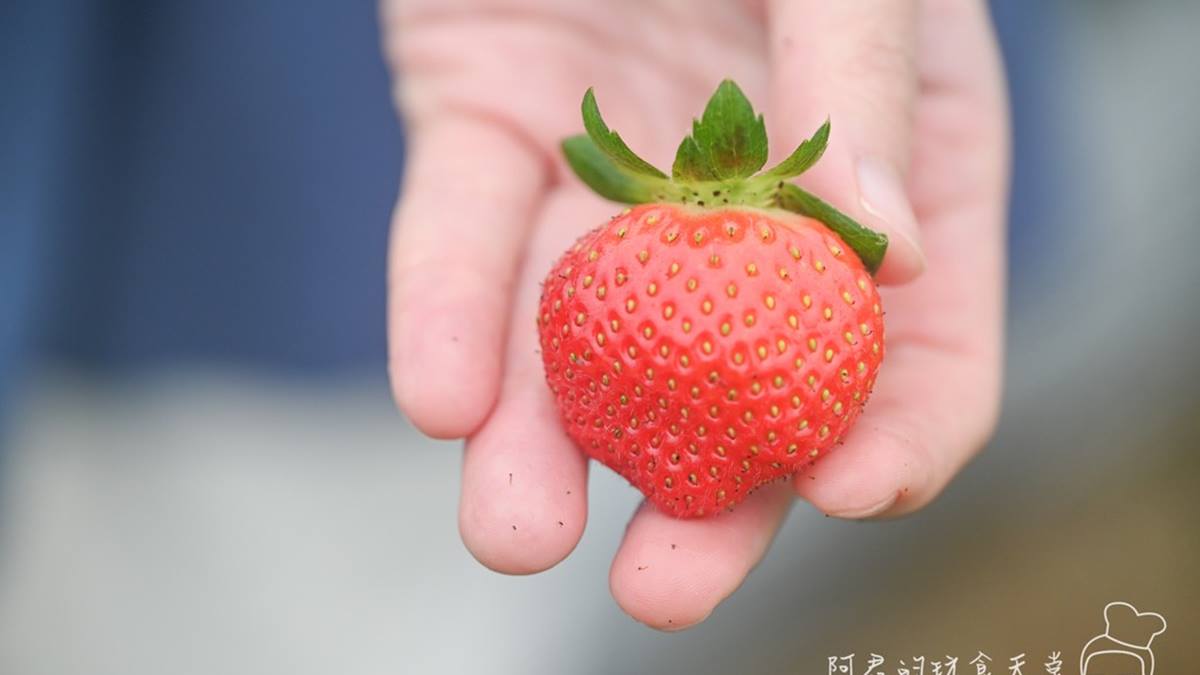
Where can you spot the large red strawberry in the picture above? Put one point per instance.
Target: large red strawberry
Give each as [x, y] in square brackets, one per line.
[724, 333]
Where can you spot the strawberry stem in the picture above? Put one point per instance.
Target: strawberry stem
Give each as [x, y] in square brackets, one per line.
[716, 165]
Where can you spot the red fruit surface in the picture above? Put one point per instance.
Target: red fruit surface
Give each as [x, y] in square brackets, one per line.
[703, 352]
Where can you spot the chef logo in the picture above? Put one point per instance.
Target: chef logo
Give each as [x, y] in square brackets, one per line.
[1124, 646]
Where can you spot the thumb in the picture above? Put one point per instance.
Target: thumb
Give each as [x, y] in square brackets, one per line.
[853, 62]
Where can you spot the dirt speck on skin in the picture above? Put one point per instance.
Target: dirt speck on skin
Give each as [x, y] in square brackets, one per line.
[642, 567]
[672, 547]
[568, 492]
[514, 528]
[560, 523]
[510, 479]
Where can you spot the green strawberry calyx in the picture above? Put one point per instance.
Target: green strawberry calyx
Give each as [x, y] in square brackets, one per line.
[718, 165]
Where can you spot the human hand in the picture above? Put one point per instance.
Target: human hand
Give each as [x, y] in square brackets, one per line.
[488, 88]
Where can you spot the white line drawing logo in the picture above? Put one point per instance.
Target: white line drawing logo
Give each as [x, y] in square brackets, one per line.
[1124, 646]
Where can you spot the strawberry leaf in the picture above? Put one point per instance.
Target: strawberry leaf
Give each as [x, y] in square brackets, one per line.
[868, 244]
[609, 179]
[730, 140]
[803, 157]
[610, 143]
[726, 148]
[690, 163]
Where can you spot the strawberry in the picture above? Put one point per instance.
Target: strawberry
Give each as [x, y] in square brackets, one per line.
[723, 333]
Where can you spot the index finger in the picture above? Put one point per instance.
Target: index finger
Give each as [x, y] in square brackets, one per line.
[470, 192]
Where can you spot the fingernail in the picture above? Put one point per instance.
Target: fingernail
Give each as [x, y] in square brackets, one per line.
[868, 511]
[881, 193]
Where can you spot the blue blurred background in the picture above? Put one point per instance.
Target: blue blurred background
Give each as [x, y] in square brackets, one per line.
[202, 472]
[196, 182]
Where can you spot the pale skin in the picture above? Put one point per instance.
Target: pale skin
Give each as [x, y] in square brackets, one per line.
[919, 150]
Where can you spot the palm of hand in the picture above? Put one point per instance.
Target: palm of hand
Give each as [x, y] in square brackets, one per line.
[489, 92]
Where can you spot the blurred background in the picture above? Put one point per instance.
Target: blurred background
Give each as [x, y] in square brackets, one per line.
[201, 470]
